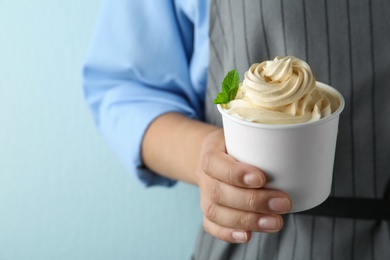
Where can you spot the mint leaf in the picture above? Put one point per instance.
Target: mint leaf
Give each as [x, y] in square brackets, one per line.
[230, 86]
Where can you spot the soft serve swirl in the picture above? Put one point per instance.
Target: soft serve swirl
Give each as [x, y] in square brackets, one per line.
[281, 91]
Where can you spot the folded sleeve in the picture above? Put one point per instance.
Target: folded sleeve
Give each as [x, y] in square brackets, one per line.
[137, 69]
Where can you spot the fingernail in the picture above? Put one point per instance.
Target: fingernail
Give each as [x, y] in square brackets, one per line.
[279, 205]
[253, 179]
[239, 236]
[268, 223]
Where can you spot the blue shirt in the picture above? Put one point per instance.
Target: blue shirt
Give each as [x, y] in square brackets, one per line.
[146, 58]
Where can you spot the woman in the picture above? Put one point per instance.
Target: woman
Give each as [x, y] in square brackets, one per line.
[158, 64]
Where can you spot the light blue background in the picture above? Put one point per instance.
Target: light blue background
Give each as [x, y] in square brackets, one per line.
[63, 194]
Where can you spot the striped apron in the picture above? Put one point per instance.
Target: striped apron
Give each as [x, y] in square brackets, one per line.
[347, 45]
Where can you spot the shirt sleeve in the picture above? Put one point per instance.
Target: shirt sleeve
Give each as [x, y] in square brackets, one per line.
[137, 69]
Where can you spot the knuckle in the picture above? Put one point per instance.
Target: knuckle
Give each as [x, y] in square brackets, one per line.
[230, 174]
[215, 191]
[253, 202]
[209, 211]
[206, 161]
[245, 222]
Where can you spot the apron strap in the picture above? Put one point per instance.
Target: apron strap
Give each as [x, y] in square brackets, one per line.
[357, 208]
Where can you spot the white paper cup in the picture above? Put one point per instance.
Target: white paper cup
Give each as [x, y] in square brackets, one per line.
[297, 159]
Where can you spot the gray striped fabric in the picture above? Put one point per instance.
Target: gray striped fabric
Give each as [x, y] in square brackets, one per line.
[347, 45]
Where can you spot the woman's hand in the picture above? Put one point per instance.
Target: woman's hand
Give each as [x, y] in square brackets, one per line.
[232, 197]
[233, 200]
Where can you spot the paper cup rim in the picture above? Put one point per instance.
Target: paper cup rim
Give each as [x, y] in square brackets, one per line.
[291, 126]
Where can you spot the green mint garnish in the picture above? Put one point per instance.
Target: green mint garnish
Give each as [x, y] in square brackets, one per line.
[229, 88]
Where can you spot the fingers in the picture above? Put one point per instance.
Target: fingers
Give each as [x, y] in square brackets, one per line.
[241, 220]
[233, 198]
[226, 234]
[251, 200]
[219, 165]
[235, 226]
[239, 233]
[230, 212]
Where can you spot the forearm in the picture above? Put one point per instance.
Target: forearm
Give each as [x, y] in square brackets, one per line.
[172, 144]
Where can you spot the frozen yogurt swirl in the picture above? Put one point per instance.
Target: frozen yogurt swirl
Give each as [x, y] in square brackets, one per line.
[281, 91]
